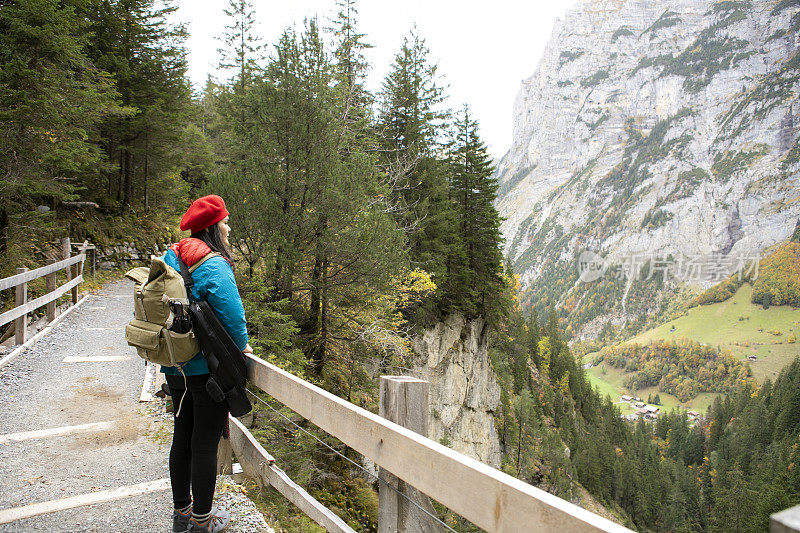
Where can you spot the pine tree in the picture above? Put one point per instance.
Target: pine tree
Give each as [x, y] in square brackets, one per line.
[242, 50]
[410, 117]
[301, 168]
[473, 191]
[350, 68]
[51, 100]
[133, 41]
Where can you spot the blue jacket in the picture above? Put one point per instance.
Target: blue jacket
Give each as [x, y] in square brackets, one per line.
[213, 282]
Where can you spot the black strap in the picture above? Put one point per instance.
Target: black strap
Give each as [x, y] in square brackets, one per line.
[187, 279]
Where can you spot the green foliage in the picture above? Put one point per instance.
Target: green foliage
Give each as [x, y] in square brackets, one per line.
[621, 32]
[505, 185]
[673, 474]
[474, 284]
[311, 201]
[684, 368]
[708, 55]
[778, 280]
[566, 56]
[49, 150]
[655, 218]
[632, 171]
[667, 19]
[769, 92]
[271, 326]
[784, 4]
[687, 182]
[778, 34]
[796, 233]
[145, 54]
[327, 477]
[654, 61]
[727, 164]
[595, 78]
[410, 123]
[792, 157]
[241, 50]
[721, 291]
[731, 5]
[596, 124]
[580, 178]
[83, 121]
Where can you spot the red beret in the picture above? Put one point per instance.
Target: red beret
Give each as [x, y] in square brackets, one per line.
[204, 212]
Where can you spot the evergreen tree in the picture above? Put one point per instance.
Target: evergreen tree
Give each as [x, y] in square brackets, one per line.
[242, 50]
[410, 116]
[51, 100]
[300, 163]
[473, 190]
[350, 69]
[132, 40]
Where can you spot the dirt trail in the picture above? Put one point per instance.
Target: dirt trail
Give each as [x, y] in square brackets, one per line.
[39, 391]
[52, 386]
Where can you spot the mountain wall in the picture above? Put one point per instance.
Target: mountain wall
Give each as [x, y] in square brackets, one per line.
[463, 395]
[654, 134]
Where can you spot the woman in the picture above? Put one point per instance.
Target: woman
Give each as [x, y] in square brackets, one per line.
[199, 422]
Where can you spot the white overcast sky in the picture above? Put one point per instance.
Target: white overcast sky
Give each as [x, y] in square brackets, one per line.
[483, 48]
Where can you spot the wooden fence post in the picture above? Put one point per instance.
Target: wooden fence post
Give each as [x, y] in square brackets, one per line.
[74, 290]
[787, 521]
[21, 323]
[50, 280]
[66, 248]
[404, 401]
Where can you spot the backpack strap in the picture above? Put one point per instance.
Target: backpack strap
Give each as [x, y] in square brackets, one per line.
[203, 260]
[186, 273]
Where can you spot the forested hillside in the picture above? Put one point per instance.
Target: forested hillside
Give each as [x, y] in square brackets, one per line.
[726, 471]
[97, 122]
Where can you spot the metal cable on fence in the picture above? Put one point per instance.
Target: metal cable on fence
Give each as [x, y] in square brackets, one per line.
[337, 452]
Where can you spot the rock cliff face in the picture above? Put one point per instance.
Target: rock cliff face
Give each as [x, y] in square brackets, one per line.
[652, 128]
[464, 394]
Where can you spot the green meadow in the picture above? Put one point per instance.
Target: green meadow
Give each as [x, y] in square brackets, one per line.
[736, 325]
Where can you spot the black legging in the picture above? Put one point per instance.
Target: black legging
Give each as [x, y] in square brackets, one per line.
[193, 456]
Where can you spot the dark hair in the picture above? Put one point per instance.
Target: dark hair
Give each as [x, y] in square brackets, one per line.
[213, 238]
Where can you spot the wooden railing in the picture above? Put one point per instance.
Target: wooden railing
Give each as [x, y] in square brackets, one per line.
[483, 495]
[19, 314]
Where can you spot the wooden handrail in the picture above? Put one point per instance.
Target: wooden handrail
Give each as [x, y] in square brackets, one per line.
[19, 282]
[30, 275]
[26, 308]
[258, 463]
[483, 495]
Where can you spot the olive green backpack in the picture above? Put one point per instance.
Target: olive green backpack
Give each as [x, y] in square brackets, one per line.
[150, 331]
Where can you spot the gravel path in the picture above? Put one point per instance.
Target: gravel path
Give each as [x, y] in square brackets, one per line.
[39, 391]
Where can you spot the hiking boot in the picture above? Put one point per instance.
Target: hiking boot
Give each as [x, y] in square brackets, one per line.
[180, 521]
[215, 523]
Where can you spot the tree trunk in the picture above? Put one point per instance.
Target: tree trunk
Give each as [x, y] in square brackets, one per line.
[3, 231]
[519, 446]
[127, 178]
[146, 171]
[110, 153]
[314, 310]
[323, 319]
[120, 178]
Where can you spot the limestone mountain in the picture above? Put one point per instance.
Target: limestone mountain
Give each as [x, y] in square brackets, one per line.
[659, 135]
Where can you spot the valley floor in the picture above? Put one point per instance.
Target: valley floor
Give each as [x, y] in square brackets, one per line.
[737, 325]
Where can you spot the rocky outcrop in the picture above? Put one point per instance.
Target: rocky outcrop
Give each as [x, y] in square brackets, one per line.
[463, 396]
[652, 128]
